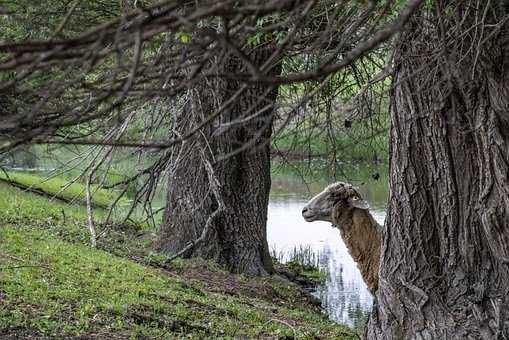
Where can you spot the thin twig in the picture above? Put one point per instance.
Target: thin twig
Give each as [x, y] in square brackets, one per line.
[27, 266]
[11, 257]
[90, 217]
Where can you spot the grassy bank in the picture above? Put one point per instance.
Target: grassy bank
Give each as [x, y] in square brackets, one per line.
[60, 188]
[53, 284]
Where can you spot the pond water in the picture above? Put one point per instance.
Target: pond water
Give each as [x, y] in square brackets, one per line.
[344, 295]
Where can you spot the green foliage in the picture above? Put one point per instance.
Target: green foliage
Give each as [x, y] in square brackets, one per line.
[346, 147]
[183, 37]
[305, 270]
[36, 20]
[302, 260]
[266, 36]
[346, 120]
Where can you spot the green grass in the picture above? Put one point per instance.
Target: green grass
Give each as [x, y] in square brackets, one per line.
[67, 221]
[302, 260]
[59, 187]
[53, 284]
[17, 205]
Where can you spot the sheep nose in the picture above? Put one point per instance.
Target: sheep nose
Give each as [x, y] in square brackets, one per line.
[304, 210]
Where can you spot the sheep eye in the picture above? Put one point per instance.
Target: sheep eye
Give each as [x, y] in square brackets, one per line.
[355, 198]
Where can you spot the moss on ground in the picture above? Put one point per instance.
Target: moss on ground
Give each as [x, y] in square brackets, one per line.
[52, 284]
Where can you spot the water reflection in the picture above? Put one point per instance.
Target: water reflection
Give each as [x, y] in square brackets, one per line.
[345, 297]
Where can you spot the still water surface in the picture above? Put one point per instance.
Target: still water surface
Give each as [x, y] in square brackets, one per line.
[344, 295]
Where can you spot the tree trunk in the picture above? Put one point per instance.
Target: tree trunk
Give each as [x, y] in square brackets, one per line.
[237, 236]
[444, 270]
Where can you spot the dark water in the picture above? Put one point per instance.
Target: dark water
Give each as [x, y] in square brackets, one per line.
[344, 295]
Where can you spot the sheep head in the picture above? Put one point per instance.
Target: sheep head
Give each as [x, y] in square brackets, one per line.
[336, 197]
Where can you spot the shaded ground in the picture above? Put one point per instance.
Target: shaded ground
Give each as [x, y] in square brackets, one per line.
[53, 285]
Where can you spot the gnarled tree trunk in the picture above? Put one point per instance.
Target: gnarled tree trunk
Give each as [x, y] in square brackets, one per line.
[237, 236]
[444, 270]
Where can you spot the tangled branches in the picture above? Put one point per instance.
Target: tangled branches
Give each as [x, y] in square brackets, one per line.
[133, 73]
[159, 51]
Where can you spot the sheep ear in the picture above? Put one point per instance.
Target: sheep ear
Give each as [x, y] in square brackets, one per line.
[358, 203]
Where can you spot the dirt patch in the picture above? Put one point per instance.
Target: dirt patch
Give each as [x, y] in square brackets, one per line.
[195, 305]
[145, 315]
[216, 281]
[19, 332]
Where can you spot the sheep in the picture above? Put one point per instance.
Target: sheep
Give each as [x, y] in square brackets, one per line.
[344, 207]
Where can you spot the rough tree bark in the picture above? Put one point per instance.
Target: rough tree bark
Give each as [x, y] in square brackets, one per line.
[444, 270]
[237, 235]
